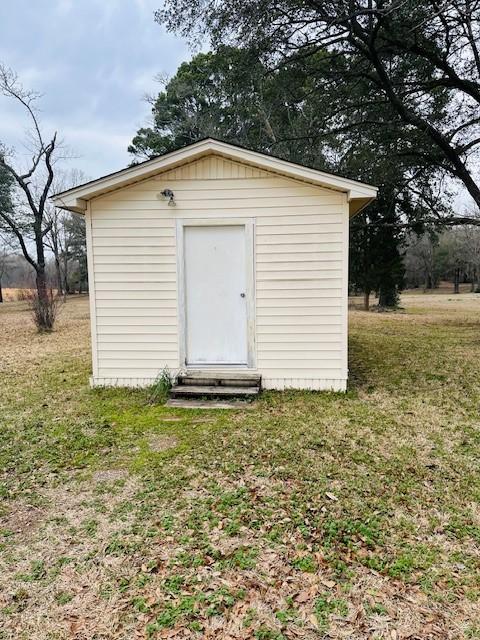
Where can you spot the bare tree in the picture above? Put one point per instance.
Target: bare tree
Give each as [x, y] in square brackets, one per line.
[453, 255]
[53, 240]
[57, 237]
[419, 261]
[75, 252]
[4, 263]
[470, 241]
[451, 258]
[28, 223]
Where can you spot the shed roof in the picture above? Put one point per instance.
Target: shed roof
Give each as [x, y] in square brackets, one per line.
[359, 194]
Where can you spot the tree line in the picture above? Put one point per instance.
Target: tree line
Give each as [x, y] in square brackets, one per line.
[17, 273]
[452, 255]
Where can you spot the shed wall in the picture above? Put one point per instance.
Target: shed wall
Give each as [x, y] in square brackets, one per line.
[301, 252]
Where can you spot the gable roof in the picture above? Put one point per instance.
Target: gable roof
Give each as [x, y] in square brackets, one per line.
[359, 194]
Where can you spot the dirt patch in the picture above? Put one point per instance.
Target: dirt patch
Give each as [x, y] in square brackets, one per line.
[22, 519]
[110, 475]
[162, 443]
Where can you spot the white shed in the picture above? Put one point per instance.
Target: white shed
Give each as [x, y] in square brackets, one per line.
[218, 258]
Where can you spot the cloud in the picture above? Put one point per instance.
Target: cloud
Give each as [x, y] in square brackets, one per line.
[93, 62]
[64, 7]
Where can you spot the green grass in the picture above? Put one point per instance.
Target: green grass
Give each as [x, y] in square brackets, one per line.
[230, 527]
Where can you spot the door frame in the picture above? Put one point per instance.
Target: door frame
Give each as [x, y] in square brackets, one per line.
[249, 225]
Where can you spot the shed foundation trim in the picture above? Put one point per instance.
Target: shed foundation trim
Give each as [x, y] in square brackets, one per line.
[279, 384]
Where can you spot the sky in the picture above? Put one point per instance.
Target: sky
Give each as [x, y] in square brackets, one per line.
[93, 61]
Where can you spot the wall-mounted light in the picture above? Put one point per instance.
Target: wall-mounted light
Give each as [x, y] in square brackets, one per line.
[170, 196]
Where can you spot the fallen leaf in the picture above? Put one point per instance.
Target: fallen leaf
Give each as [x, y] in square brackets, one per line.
[303, 596]
[314, 621]
[331, 496]
[328, 583]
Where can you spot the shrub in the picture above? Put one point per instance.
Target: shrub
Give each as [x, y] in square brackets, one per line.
[44, 310]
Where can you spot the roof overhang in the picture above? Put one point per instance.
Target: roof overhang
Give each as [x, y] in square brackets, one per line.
[358, 194]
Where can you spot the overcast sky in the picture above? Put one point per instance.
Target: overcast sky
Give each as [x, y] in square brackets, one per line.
[93, 61]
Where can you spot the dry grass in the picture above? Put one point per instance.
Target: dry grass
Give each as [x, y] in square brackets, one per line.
[11, 294]
[23, 348]
[312, 515]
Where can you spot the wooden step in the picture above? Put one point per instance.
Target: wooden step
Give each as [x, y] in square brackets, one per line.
[218, 378]
[213, 391]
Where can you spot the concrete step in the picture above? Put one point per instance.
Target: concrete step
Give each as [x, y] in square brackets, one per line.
[224, 379]
[212, 403]
[213, 391]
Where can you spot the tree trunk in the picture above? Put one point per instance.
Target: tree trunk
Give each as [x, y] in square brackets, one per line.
[41, 283]
[58, 273]
[456, 280]
[1, 292]
[366, 300]
[66, 287]
[41, 276]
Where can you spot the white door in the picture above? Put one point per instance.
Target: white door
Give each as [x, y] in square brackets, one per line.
[215, 295]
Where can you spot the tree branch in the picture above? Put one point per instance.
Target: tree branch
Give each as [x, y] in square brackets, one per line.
[14, 228]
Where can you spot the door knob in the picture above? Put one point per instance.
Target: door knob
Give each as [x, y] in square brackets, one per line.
[242, 295]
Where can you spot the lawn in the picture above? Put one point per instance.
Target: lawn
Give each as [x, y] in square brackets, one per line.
[310, 515]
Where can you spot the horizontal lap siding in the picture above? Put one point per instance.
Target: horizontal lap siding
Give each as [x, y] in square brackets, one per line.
[300, 270]
[299, 303]
[136, 299]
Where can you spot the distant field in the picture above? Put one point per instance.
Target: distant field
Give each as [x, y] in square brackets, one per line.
[444, 288]
[310, 515]
[10, 294]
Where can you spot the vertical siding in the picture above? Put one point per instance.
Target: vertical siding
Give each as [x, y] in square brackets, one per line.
[301, 247]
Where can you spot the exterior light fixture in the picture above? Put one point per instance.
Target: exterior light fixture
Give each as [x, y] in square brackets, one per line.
[169, 195]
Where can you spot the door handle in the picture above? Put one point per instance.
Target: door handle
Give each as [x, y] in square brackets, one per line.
[242, 295]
